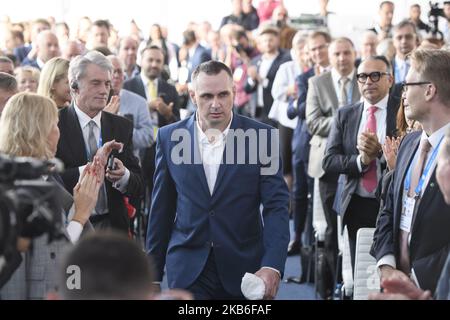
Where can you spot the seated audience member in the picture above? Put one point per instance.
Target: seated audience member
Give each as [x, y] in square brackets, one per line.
[27, 78]
[124, 273]
[29, 128]
[8, 88]
[71, 49]
[395, 288]
[54, 82]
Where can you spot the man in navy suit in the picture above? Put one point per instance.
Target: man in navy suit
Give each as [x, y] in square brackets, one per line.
[411, 240]
[205, 223]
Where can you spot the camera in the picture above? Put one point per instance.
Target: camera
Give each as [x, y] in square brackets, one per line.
[29, 207]
[433, 18]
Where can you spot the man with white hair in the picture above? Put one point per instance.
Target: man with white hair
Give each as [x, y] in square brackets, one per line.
[85, 128]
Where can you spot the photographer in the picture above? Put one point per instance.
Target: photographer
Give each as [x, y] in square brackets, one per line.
[29, 128]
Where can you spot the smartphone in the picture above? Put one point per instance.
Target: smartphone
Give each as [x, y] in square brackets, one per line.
[111, 164]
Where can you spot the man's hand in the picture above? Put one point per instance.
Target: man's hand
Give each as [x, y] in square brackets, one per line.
[104, 151]
[118, 172]
[253, 73]
[163, 109]
[388, 272]
[271, 279]
[399, 289]
[291, 91]
[368, 146]
[113, 105]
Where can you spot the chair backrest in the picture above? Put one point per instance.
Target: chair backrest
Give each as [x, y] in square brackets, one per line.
[366, 275]
[347, 271]
[319, 221]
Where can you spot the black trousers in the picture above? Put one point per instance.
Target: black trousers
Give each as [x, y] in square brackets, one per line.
[208, 285]
[328, 188]
[361, 213]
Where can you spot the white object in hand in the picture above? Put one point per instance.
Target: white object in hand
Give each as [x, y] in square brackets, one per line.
[253, 287]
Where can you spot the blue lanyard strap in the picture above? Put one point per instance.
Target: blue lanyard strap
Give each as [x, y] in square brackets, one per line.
[419, 187]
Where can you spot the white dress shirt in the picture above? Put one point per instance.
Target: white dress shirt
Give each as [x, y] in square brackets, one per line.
[380, 116]
[336, 77]
[211, 152]
[84, 120]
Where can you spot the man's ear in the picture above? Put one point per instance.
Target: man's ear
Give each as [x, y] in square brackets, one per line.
[192, 95]
[430, 92]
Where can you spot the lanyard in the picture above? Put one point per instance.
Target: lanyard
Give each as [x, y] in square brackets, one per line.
[418, 189]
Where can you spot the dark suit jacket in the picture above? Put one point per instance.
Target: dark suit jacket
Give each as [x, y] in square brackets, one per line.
[31, 63]
[185, 219]
[72, 151]
[430, 236]
[301, 136]
[22, 52]
[267, 91]
[165, 90]
[341, 153]
[200, 55]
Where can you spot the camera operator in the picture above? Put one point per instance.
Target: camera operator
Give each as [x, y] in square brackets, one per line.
[29, 128]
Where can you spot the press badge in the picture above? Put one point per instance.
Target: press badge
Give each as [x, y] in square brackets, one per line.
[407, 214]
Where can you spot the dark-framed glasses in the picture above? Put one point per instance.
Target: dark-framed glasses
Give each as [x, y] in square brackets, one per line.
[418, 83]
[374, 76]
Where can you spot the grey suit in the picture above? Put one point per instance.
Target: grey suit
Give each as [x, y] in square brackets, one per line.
[321, 105]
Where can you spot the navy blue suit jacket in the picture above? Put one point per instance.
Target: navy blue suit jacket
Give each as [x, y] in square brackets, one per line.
[430, 236]
[301, 136]
[186, 221]
[201, 54]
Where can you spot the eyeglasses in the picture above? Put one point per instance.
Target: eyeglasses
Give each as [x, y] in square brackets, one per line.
[419, 83]
[374, 76]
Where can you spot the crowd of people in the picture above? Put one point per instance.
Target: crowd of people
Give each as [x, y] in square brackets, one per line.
[148, 131]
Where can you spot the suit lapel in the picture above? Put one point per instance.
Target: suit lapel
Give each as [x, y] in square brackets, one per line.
[391, 116]
[107, 130]
[223, 166]
[75, 137]
[430, 192]
[329, 86]
[355, 122]
[196, 156]
[355, 90]
[402, 170]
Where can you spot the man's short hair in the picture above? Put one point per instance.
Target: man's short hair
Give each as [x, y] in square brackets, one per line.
[323, 34]
[434, 65]
[270, 30]
[111, 267]
[8, 82]
[386, 2]
[78, 65]
[42, 21]
[151, 47]
[102, 24]
[380, 58]
[344, 39]
[211, 67]
[404, 23]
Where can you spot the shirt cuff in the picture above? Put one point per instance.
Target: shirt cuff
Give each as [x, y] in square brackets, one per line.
[122, 184]
[388, 260]
[358, 163]
[74, 229]
[279, 273]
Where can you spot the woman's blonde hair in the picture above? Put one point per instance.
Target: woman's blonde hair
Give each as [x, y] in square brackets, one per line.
[35, 73]
[25, 125]
[54, 70]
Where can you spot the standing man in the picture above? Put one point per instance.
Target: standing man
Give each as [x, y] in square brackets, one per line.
[162, 99]
[317, 47]
[326, 93]
[411, 240]
[131, 106]
[354, 146]
[47, 47]
[205, 223]
[85, 128]
[405, 41]
[384, 27]
[128, 48]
